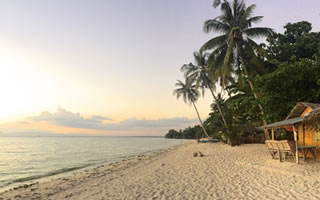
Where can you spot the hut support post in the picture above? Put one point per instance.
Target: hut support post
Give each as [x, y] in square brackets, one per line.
[303, 131]
[296, 140]
[272, 133]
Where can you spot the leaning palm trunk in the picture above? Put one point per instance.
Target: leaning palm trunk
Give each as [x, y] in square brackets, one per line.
[219, 109]
[245, 64]
[204, 130]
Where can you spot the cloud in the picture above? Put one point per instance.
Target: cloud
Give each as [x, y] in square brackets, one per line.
[97, 117]
[158, 123]
[66, 118]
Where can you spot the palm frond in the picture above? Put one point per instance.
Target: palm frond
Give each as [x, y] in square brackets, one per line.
[253, 44]
[248, 22]
[238, 8]
[258, 32]
[226, 11]
[217, 56]
[215, 25]
[216, 3]
[214, 43]
[248, 13]
[188, 69]
[235, 22]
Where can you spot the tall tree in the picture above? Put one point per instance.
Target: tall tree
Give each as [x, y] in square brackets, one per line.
[236, 41]
[190, 94]
[199, 72]
[297, 42]
[294, 57]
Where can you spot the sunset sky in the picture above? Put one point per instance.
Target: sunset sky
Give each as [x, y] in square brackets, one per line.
[109, 66]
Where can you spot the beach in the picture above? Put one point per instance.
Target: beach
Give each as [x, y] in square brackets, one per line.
[224, 172]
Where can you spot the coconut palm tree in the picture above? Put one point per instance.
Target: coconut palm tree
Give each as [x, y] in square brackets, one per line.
[190, 95]
[236, 41]
[199, 72]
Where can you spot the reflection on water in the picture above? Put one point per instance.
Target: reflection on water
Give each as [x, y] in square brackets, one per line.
[26, 158]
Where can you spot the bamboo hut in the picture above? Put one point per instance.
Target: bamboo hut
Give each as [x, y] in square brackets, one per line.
[313, 117]
[304, 122]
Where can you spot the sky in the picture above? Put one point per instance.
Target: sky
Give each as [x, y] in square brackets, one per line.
[108, 67]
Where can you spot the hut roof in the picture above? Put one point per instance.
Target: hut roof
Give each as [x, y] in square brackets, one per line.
[312, 117]
[300, 107]
[284, 123]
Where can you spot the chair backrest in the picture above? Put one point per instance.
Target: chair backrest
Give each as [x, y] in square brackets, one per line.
[284, 145]
[268, 143]
[274, 144]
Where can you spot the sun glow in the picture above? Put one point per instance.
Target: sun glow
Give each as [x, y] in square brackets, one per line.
[24, 85]
[12, 85]
[30, 82]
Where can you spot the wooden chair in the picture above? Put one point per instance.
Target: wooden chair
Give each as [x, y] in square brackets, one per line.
[287, 148]
[273, 148]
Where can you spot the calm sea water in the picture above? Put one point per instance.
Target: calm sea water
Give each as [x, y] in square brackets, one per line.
[28, 158]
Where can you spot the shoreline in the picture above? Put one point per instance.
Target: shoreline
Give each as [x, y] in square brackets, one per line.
[47, 177]
[243, 172]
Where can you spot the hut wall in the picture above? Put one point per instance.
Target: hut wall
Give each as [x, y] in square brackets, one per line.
[311, 136]
[317, 142]
[310, 139]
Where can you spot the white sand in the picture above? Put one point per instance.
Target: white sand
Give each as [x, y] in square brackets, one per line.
[244, 172]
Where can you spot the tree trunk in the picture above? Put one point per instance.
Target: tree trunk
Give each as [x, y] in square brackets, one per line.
[219, 108]
[204, 130]
[207, 81]
[245, 64]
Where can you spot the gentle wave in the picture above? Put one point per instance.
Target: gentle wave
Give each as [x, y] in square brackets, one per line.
[60, 171]
[47, 156]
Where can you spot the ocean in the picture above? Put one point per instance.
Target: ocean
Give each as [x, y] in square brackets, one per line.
[28, 158]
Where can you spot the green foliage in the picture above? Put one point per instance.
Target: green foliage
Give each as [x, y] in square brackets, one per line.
[237, 113]
[173, 134]
[280, 73]
[290, 83]
[235, 24]
[200, 74]
[189, 92]
[243, 105]
[214, 122]
[293, 58]
[195, 132]
[296, 43]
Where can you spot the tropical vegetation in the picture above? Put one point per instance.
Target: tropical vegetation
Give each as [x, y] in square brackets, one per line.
[190, 94]
[260, 83]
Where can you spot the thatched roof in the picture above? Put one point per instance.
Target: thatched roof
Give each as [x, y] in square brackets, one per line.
[294, 116]
[300, 107]
[312, 117]
[284, 123]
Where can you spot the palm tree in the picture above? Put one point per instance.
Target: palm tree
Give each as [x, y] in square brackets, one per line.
[236, 41]
[190, 94]
[199, 73]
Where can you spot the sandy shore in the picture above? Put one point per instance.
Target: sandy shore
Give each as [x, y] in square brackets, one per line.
[244, 172]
